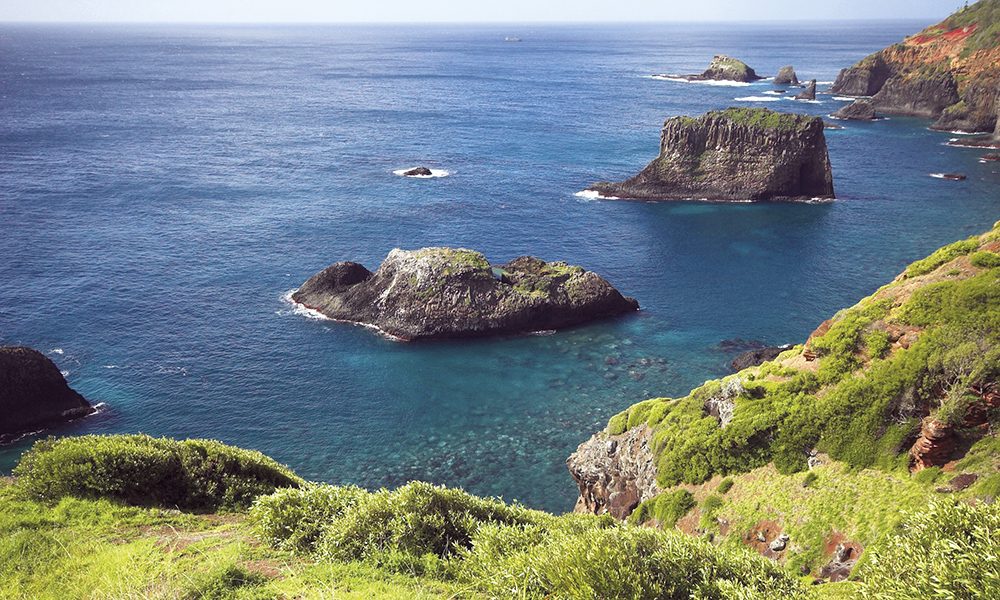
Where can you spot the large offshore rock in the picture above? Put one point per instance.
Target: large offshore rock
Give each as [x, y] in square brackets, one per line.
[449, 293]
[724, 68]
[33, 393]
[859, 110]
[809, 93]
[737, 154]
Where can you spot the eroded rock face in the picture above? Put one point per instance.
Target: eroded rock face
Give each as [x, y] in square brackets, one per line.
[736, 154]
[786, 76]
[33, 393]
[860, 110]
[614, 473]
[757, 356]
[950, 72]
[938, 440]
[917, 96]
[443, 292]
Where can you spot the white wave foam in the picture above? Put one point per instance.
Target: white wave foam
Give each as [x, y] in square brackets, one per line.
[757, 99]
[845, 98]
[162, 370]
[807, 101]
[300, 309]
[702, 81]
[56, 351]
[774, 92]
[434, 173]
[542, 333]
[65, 373]
[111, 367]
[594, 195]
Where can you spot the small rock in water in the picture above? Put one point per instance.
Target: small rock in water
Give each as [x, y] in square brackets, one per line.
[991, 157]
[952, 176]
[418, 171]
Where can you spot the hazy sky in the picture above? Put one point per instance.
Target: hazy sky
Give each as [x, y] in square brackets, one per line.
[243, 11]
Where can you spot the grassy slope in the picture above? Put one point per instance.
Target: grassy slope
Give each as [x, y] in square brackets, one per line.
[98, 549]
[863, 495]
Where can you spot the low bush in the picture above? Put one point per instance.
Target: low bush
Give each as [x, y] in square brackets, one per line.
[145, 471]
[942, 256]
[666, 508]
[985, 260]
[947, 551]
[725, 485]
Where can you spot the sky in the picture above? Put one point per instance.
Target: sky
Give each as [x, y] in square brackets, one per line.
[503, 11]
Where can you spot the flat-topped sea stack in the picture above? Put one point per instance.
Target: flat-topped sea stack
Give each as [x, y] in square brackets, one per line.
[724, 68]
[33, 393]
[737, 154]
[949, 72]
[452, 293]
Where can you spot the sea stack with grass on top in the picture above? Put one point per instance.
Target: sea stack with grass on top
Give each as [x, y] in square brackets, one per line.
[737, 154]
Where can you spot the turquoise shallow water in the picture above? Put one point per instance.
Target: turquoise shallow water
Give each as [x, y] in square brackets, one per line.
[162, 189]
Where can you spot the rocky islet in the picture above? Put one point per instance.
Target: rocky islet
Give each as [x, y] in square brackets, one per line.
[33, 392]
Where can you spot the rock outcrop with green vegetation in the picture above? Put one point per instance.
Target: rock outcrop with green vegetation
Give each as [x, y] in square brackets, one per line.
[723, 68]
[903, 386]
[737, 154]
[448, 293]
[33, 393]
[949, 72]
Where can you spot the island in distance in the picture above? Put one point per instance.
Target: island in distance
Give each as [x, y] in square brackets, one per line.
[722, 68]
[734, 155]
[451, 293]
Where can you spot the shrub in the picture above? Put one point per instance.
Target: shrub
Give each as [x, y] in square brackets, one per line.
[725, 485]
[946, 551]
[985, 260]
[666, 508]
[810, 479]
[942, 256]
[145, 471]
[927, 476]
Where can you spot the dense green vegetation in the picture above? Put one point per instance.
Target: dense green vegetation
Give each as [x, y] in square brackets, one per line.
[864, 402]
[985, 14]
[138, 469]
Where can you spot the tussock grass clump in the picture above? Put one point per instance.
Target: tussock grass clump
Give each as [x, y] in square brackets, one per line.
[508, 551]
[949, 550]
[196, 475]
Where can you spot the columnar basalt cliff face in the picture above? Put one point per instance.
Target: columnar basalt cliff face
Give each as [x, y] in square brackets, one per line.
[738, 154]
[949, 72]
[33, 393]
[447, 293]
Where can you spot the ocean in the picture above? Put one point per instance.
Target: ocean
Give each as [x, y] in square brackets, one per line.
[164, 188]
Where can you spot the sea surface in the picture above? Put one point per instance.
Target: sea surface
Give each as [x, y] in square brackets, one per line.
[164, 188]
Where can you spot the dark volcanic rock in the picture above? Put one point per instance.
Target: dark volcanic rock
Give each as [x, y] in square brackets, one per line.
[447, 293]
[418, 171]
[974, 112]
[759, 356]
[724, 68]
[33, 393]
[735, 154]
[862, 79]
[917, 96]
[809, 93]
[860, 110]
[983, 141]
[786, 76]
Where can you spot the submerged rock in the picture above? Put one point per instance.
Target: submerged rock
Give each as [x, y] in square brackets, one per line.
[742, 154]
[786, 76]
[860, 110]
[809, 93]
[33, 393]
[448, 293]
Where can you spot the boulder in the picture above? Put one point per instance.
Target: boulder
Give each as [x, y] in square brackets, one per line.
[33, 393]
[737, 154]
[860, 110]
[786, 76]
[809, 93]
[451, 293]
[757, 356]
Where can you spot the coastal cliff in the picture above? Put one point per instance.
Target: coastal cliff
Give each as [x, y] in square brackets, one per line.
[448, 293]
[33, 393]
[949, 72]
[899, 393]
[737, 154]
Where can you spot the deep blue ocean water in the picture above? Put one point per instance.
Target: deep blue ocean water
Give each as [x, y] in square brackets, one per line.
[162, 189]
